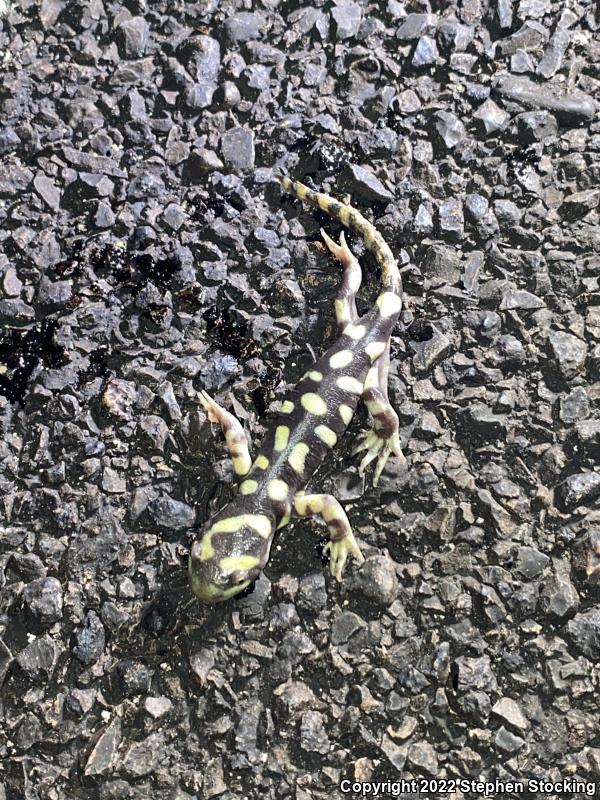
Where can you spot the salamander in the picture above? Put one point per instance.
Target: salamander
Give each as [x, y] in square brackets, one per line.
[234, 546]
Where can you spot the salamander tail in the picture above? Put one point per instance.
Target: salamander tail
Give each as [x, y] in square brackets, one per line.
[353, 219]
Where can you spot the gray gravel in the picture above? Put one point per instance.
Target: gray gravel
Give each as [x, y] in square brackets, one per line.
[146, 252]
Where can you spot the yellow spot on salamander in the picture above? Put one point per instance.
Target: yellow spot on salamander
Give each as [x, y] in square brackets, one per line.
[297, 457]
[372, 379]
[342, 310]
[376, 406]
[228, 525]
[315, 375]
[341, 359]
[243, 562]
[258, 522]
[326, 435]
[284, 520]
[311, 504]
[287, 407]
[248, 486]
[262, 462]
[277, 489]
[282, 434]
[348, 384]
[389, 304]
[204, 549]
[314, 404]
[241, 463]
[355, 331]
[374, 350]
[345, 413]
[331, 511]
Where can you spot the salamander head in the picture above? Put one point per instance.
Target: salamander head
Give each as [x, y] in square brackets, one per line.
[220, 565]
[213, 581]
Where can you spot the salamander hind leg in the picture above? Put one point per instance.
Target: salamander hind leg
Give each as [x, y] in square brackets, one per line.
[235, 437]
[383, 439]
[345, 304]
[341, 539]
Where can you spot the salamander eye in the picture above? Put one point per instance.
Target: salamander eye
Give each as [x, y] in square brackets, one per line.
[237, 577]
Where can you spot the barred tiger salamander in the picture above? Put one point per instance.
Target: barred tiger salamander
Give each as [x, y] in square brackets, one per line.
[234, 546]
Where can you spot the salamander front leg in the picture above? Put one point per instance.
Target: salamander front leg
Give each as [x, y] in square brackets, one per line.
[341, 539]
[235, 437]
[345, 304]
[383, 439]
